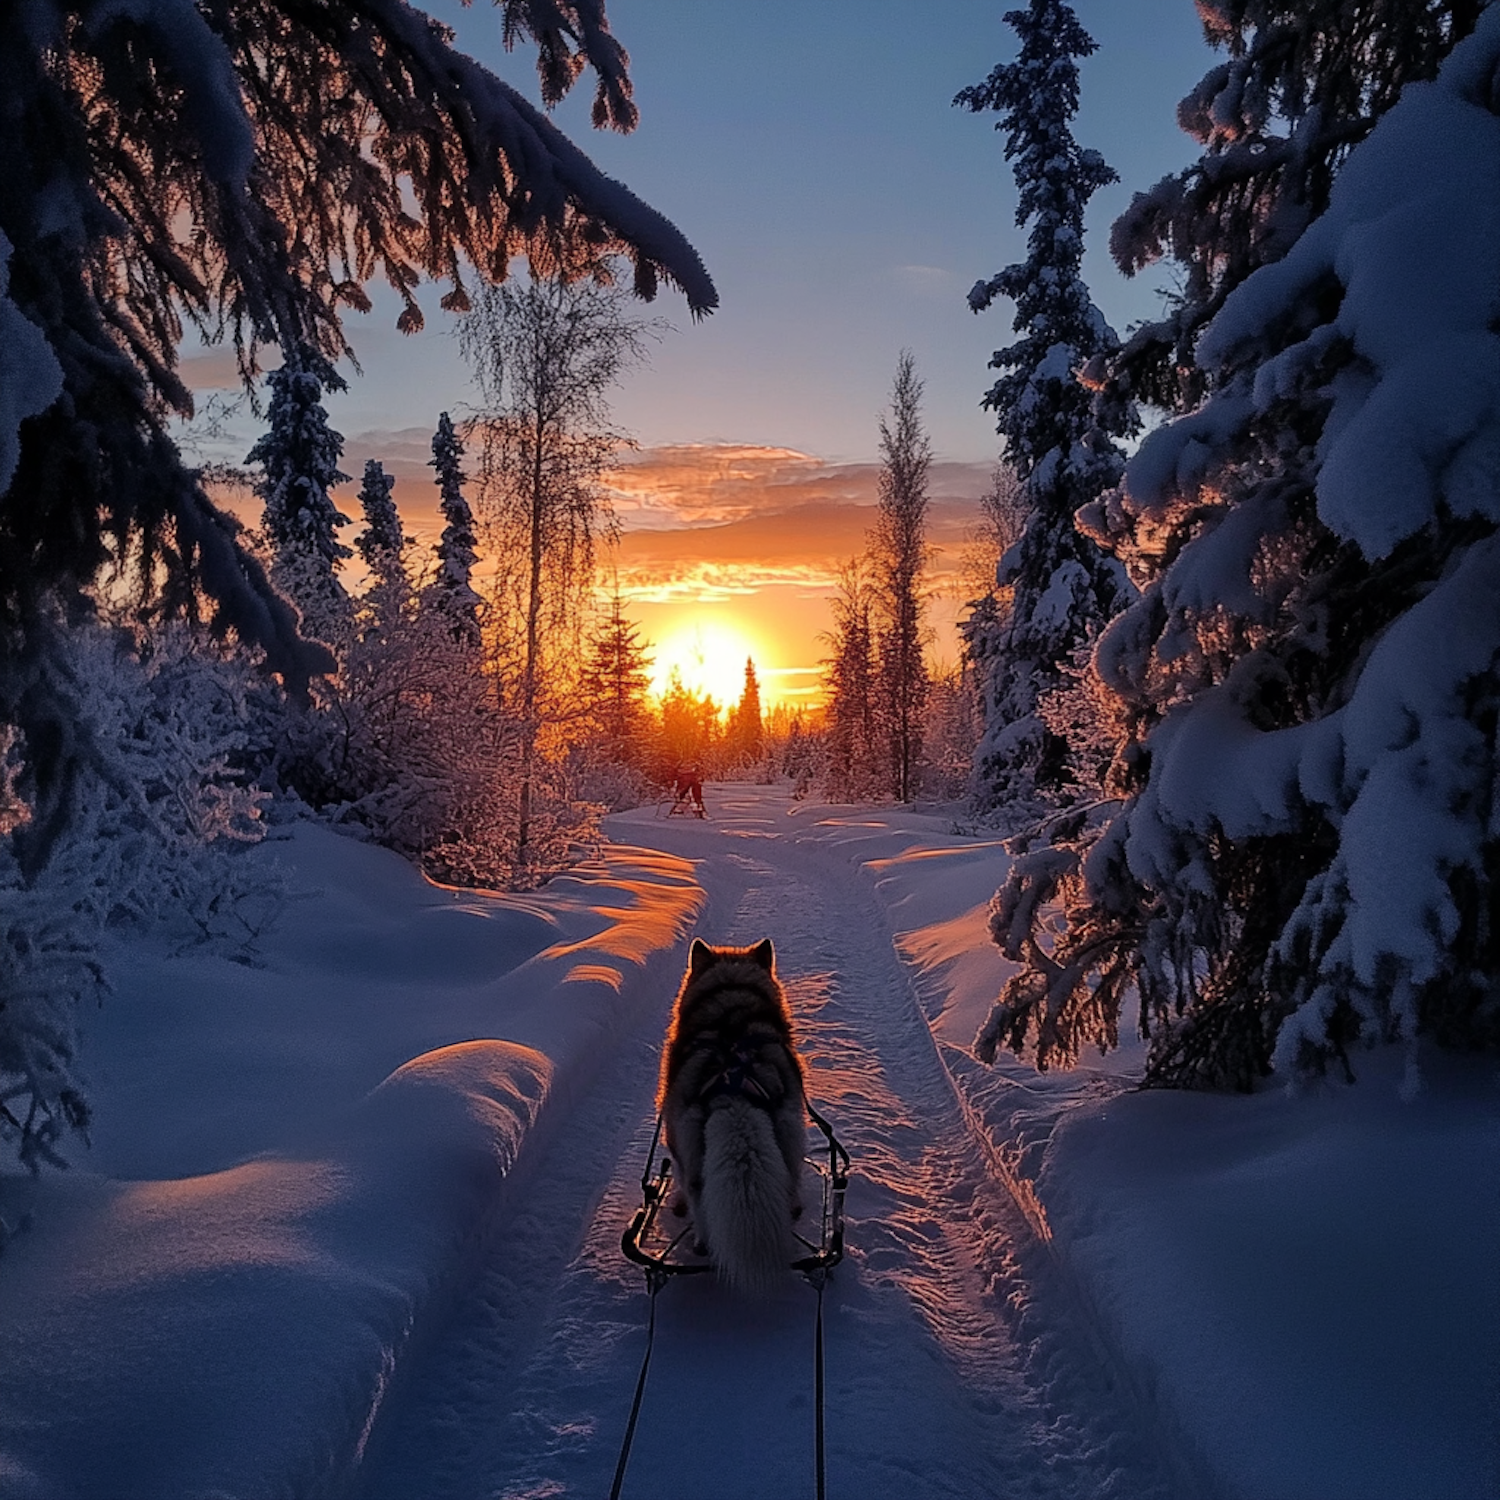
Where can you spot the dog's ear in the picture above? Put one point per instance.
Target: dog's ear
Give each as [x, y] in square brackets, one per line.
[763, 954]
[700, 956]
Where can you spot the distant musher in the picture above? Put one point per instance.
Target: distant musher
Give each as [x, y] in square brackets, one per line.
[687, 788]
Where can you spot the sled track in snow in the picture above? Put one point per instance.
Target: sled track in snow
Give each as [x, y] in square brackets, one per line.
[955, 1365]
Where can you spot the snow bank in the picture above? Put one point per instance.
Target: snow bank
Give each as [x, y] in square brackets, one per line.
[1300, 1285]
[1306, 1285]
[297, 1164]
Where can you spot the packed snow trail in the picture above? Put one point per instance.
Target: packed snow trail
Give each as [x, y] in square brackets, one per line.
[954, 1367]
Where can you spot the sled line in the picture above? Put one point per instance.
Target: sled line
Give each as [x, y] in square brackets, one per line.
[660, 1267]
[656, 1279]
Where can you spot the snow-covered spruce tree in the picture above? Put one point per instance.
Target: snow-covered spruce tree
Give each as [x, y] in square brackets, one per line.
[298, 455]
[615, 759]
[451, 592]
[381, 543]
[381, 546]
[752, 727]
[1303, 82]
[616, 680]
[897, 548]
[1308, 842]
[744, 734]
[243, 168]
[1063, 588]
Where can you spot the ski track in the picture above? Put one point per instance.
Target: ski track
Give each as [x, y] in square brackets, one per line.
[955, 1364]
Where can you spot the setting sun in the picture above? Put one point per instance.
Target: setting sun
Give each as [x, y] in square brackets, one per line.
[709, 656]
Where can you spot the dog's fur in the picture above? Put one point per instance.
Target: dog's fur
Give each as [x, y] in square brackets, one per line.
[732, 1101]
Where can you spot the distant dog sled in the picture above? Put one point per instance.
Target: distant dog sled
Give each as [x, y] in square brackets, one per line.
[687, 794]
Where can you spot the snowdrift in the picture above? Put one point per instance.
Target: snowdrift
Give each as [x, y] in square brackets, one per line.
[1300, 1285]
[297, 1164]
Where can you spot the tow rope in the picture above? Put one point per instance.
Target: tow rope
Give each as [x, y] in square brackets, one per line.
[656, 1280]
[818, 1387]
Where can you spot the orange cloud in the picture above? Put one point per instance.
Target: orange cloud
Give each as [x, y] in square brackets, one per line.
[697, 484]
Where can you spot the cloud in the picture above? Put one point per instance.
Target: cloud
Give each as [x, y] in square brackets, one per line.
[713, 582]
[215, 370]
[706, 484]
[692, 485]
[759, 502]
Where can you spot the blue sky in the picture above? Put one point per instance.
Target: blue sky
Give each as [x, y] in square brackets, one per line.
[810, 151]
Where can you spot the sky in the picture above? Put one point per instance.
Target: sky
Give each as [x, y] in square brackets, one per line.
[810, 151]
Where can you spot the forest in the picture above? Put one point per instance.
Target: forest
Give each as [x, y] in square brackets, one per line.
[1202, 694]
[1224, 712]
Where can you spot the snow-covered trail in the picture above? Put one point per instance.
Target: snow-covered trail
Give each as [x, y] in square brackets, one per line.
[954, 1368]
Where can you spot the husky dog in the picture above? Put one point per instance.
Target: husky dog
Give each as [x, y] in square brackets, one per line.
[731, 1097]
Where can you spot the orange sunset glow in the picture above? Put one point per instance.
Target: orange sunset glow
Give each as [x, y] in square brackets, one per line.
[723, 551]
[728, 551]
[708, 654]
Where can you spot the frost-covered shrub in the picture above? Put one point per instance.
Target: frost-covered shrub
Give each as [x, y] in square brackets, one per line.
[1306, 848]
[416, 742]
[950, 733]
[161, 787]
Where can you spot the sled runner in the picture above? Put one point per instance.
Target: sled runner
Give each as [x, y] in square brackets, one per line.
[664, 1246]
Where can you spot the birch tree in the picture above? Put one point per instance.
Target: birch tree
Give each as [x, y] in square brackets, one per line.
[546, 356]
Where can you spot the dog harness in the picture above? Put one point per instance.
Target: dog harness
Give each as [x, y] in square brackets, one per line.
[735, 1080]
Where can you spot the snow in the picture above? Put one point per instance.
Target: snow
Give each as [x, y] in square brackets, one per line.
[1307, 1281]
[30, 376]
[293, 1163]
[1407, 238]
[350, 1223]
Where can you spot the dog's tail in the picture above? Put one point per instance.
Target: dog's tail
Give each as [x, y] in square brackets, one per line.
[746, 1202]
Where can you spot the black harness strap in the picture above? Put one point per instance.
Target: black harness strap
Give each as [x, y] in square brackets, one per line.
[736, 1079]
